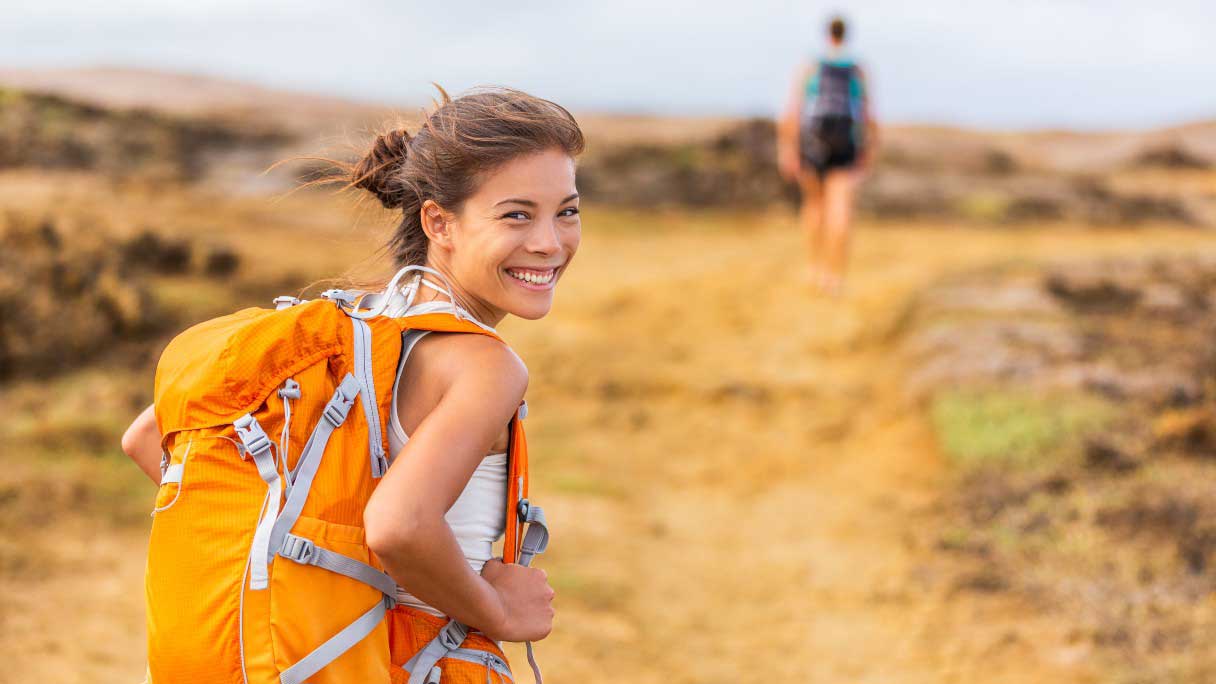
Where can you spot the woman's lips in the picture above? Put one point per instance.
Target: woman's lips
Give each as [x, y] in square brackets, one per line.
[533, 278]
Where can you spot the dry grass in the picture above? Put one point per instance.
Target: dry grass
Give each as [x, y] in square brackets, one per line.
[738, 486]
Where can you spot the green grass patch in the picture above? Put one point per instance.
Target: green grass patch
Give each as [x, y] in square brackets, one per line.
[983, 207]
[1014, 429]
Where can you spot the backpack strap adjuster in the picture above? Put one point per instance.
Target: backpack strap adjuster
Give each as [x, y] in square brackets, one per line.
[297, 549]
[453, 635]
[338, 407]
[251, 434]
[334, 413]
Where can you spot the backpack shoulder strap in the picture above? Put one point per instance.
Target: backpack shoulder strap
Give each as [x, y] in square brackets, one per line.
[442, 321]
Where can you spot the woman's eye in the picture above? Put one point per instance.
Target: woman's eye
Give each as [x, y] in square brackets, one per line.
[516, 215]
[569, 211]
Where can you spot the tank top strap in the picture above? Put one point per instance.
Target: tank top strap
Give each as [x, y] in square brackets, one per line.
[409, 339]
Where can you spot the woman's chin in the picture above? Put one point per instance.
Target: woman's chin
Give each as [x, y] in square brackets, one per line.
[532, 310]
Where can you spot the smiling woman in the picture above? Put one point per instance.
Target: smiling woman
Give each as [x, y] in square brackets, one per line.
[489, 223]
[486, 188]
[488, 198]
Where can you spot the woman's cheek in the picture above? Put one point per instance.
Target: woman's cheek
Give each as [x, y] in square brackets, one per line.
[576, 238]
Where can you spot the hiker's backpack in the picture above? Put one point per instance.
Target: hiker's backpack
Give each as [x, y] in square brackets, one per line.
[832, 111]
[273, 435]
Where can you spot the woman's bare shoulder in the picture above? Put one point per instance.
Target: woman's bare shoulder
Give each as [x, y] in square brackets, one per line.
[481, 361]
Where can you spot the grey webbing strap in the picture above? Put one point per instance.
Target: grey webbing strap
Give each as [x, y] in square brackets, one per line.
[364, 371]
[536, 539]
[338, 644]
[393, 304]
[257, 443]
[305, 552]
[310, 459]
[449, 639]
[492, 662]
[173, 474]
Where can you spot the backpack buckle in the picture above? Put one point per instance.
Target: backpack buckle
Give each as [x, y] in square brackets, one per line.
[297, 549]
[285, 302]
[251, 434]
[334, 414]
[257, 442]
[453, 635]
[339, 297]
[344, 397]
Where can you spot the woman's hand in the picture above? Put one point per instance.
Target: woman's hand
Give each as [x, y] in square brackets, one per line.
[527, 601]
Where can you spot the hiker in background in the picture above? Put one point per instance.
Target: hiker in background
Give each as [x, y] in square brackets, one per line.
[827, 138]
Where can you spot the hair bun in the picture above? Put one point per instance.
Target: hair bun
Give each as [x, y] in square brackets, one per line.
[378, 172]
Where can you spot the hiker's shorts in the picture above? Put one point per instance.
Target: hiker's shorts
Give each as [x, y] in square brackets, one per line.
[828, 143]
[477, 661]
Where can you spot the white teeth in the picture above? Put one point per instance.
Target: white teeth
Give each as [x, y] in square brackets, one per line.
[534, 278]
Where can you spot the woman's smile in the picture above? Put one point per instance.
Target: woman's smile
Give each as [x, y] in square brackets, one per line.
[537, 279]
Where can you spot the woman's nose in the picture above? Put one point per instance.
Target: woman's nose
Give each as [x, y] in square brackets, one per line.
[544, 239]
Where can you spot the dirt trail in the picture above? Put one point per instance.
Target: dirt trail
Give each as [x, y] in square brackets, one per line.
[772, 484]
[739, 489]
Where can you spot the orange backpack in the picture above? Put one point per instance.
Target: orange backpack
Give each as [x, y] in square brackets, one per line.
[272, 432]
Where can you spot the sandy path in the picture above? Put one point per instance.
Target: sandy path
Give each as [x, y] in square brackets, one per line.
[771, 483]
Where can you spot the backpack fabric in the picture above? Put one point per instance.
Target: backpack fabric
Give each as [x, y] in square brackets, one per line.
[475, 660]
[832, 115]
[273, 433]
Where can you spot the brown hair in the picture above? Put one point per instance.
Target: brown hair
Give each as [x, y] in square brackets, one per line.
[462, 139]
[837, 28]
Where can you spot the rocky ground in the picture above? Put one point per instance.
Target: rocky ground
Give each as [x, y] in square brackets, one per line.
[923, 174]
[971, 180]
[74, 287]
[1078, 401]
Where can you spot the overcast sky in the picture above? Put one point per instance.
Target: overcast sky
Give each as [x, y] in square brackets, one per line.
[988, 63]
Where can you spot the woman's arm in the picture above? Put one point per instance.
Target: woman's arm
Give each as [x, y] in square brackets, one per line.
[788, 161]
[141, 442]
[484, 382]
[870, 151]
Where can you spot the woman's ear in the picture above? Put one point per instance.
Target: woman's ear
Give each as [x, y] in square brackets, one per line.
[437, 224]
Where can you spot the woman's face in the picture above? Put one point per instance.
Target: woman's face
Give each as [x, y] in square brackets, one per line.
[515, 236]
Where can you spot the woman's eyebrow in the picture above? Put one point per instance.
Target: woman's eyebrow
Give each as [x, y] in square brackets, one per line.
[530, 203]
[516, 200]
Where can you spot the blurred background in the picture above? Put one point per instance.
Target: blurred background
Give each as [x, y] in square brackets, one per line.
[992, 459]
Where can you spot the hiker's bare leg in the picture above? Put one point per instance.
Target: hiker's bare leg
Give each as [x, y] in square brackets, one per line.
[810, 215]
[838, 190]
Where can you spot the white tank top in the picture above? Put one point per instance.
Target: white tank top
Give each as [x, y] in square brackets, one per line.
[477, 517]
